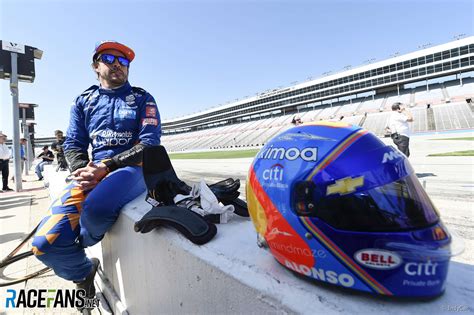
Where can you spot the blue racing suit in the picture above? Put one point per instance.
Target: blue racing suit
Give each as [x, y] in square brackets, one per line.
[118, 124]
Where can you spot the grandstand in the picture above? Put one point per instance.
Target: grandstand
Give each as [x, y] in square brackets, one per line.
[437, 83]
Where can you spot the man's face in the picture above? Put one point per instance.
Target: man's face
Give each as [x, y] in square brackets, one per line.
[114, 74]
[3, 139]
[59, 136]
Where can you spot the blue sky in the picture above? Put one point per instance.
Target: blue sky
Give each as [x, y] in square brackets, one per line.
[193, 55]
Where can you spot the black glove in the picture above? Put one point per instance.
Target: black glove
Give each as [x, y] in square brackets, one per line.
[240, 207]
[160, 178]
[226, 190]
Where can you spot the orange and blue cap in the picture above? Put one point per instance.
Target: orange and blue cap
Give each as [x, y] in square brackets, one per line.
[110, 44]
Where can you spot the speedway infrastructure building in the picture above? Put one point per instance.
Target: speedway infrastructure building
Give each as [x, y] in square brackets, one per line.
[440, 76]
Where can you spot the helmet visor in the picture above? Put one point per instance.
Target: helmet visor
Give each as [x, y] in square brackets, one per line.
[396, 206]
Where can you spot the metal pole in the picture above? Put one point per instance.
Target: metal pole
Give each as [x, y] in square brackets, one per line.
[16, 129]
[25, 135]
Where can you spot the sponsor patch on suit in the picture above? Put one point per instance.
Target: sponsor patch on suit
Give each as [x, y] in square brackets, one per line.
[150, 121]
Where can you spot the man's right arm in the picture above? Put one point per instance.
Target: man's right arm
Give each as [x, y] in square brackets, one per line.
[77, 139]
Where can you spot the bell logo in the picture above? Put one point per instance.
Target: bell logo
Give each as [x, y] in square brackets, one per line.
[378, 259]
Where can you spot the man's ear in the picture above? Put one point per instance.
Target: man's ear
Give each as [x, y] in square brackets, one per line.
[94, 66]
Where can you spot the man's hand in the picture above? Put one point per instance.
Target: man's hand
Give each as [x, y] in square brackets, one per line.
[407, 113]
[89, 176]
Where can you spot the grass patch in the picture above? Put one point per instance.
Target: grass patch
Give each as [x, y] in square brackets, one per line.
[464, 138]
[455, 153]
[215, 155]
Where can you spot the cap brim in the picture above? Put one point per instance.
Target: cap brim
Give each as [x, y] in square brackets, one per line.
[128, 52]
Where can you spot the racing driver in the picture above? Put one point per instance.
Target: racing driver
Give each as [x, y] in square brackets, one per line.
[118, 121]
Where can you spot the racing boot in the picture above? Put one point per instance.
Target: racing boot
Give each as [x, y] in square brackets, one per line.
[88, 283]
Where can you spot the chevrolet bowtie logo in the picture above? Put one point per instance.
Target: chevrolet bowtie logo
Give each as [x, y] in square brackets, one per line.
[345, 185]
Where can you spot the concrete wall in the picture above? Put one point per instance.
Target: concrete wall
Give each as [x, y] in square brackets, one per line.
[157, 273]
[163, 273]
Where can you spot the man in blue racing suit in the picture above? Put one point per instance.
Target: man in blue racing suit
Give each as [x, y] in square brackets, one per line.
[118, 121]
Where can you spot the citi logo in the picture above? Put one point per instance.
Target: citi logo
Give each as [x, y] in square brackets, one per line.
[275, 153]
[421, 269]
[273, 173]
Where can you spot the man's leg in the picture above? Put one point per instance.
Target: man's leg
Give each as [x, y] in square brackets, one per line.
[55, 243]
[408, 147]
[103, 204]
[398, 142]
[5, 171]
[88, 214]
[38, 170]
[403, 145]
[62, 164]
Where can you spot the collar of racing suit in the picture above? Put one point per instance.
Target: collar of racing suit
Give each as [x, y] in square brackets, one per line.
[120, 90]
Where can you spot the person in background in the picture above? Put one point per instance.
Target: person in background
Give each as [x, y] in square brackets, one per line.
[4, 160]
[57, 147]
[296, 120]
[398, 124]
[48, 158]
[23, 158]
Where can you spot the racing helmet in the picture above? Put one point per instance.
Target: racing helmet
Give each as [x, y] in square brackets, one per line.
[332, 202]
